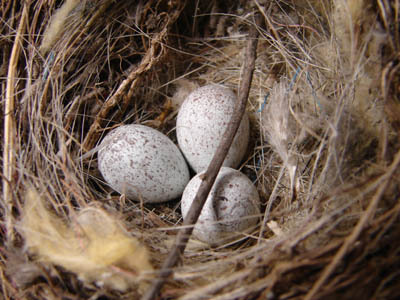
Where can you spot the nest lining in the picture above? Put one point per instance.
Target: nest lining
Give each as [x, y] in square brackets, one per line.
[322, 152]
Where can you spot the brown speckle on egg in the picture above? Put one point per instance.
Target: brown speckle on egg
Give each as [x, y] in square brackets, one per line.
[232, 207]
[202, 121]
[143, 164]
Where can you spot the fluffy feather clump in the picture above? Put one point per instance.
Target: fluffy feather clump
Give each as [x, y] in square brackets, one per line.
[95, 246]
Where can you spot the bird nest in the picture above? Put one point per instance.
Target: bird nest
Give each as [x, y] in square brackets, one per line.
[324, 151]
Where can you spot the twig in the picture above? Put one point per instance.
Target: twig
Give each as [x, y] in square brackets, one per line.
[357, 230]
[153, 55]
[9, 124]
[213, 168]
[147, 62]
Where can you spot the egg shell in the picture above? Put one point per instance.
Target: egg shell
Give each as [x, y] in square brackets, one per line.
[143, 163]
[233, 206]
[201, 123]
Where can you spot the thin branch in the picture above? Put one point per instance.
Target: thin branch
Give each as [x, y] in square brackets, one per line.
[213, 169]
[9, 124]
[147, 62]
[153, 56]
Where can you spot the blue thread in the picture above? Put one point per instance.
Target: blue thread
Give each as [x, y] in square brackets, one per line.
[294, 78]
[290, 87]
[48, 63]
[264, 103]
[313, 91]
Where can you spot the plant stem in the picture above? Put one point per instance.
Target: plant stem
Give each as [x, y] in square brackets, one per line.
[213, 168]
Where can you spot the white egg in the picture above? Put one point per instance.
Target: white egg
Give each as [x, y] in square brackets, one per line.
[232, 207]
[143, 163]
[202, 121]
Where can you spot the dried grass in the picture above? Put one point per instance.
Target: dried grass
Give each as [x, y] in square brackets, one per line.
[324, 110]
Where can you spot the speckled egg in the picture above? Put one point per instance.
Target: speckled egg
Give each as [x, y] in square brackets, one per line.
[202, 121]
[143, 163]
[233, 206]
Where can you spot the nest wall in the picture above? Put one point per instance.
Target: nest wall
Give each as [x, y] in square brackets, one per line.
[324, 150]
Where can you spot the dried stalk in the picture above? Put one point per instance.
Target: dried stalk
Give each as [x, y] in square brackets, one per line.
[9, 125]
[212, 170]
[147, 62]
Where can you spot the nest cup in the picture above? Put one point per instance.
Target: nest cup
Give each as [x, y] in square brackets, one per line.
[323, 154]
